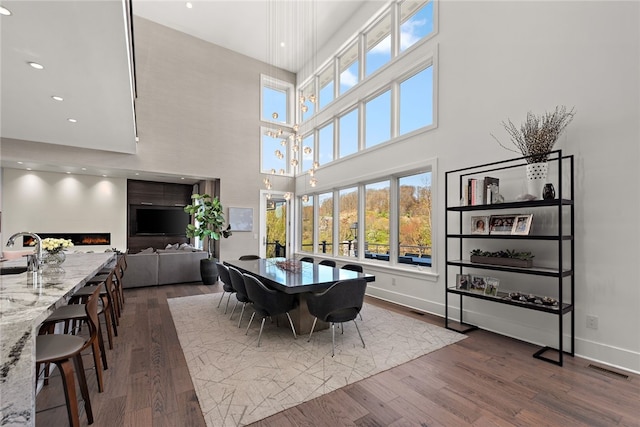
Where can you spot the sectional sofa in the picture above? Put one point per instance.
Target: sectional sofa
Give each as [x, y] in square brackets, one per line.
[163, 267]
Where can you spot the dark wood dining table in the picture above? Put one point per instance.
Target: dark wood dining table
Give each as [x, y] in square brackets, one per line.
[300, 278]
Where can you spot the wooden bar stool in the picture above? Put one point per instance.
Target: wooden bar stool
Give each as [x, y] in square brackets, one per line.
[107, 298]
[61, 349]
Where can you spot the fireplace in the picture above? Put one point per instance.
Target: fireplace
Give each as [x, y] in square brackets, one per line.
[78, 239]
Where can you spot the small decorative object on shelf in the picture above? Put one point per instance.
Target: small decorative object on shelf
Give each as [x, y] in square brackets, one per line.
[507, 258]
[548, 193]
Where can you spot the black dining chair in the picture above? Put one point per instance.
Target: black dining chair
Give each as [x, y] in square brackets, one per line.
[340, 303]
[237, 281]
[352, 267]
[227, 287]
[248, 257]
[268, 303]
[329, 262]
[307, 259]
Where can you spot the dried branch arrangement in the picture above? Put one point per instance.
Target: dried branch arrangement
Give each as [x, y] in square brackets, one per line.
[537, 135]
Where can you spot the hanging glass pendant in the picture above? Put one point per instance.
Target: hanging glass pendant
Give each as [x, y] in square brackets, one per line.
[283, 142]
[305, 198]
[304, 108]
[312, 99]
[287, 195]
[307, 150]
[316, 165]
[312, 172]
[294, 162]
[274, 115]
[295, 148]
[282, 172]
[313, 182]
[273, 171]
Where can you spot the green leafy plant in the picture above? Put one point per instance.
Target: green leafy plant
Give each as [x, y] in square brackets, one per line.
[209, 217]
[525, 256]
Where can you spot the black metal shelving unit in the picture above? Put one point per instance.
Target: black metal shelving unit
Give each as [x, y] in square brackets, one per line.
[563, 270]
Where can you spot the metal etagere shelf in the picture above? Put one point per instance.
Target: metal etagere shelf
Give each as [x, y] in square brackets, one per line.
[564, 241]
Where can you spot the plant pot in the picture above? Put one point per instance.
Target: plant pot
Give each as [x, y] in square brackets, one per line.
[507, 262]
[209, 271]
[536, 178]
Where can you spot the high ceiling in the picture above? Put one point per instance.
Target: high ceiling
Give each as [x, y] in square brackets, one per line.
[84, 48]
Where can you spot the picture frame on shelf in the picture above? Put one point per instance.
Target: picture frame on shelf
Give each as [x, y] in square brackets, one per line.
[463, 282]
[491, 286]
[478, 284]
[522, 225]
[501, 224]
[480, 224]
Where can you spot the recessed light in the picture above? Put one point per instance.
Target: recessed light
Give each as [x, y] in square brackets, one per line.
[189, 5]
[182, 178]
[68, 173]
[104, 176]
[57, 98]
[281, 44]
[84, 169]
[28, 169]
[4, 11]
[20, 163]
[72, 120]
[36, 65]
[137, 173]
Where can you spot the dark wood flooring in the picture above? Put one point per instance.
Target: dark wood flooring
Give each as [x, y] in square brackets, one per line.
[484, 380]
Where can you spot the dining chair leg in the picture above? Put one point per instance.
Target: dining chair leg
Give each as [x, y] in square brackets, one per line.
[333, 339]
[234, 309]
[295, 337]
[227, 306]
[84, 390]
[221, 298]
[261, 327]
[69, 385]
[96, 360]
[358, 329]
[244, 304]
[249, 325]
[315, 319]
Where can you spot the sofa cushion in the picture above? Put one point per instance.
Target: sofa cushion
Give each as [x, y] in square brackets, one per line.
[179, 266]
[142, 270]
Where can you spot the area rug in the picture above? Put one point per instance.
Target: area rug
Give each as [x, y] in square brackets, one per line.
[238, 383]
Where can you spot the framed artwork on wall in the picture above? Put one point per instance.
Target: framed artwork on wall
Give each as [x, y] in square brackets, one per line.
[241, 219]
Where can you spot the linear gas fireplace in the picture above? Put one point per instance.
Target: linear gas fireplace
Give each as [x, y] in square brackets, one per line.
[78, 239]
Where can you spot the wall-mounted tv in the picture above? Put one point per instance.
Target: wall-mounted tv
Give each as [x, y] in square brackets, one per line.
[166, 221]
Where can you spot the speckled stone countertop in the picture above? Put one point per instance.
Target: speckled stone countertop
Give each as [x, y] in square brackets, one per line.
[25, 302]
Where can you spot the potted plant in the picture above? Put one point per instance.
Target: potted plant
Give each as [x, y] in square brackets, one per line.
[534, 139]
[209, 220]
[510, 258]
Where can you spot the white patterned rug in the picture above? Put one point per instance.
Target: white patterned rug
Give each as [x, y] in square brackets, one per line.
[238, 383]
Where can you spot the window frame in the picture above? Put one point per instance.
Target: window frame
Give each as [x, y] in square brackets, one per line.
[290, 91]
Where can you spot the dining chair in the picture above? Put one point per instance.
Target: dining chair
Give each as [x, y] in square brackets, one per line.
[268, 303]
[237, 281]
[340, 303]
[227, 287]
[329, 262]
[307, 259]
[352, 267]
[248, 257]
[61, 349]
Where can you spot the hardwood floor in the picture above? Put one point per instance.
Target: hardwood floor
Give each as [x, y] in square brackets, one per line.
[484, 380]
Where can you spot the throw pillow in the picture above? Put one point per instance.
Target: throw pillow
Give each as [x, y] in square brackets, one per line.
[147, 251]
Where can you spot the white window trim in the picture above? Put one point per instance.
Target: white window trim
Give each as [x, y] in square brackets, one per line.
[273, 83]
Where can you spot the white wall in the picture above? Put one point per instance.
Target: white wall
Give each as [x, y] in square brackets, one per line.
[498, 60]
[45, 202]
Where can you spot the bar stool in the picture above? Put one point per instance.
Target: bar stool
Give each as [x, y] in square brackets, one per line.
[108, 304]
[61, 349]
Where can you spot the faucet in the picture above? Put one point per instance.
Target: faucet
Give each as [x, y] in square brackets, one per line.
[38, 261]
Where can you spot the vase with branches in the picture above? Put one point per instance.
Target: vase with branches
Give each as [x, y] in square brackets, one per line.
[535, 138]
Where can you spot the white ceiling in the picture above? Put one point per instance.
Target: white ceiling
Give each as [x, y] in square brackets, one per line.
[84, 48]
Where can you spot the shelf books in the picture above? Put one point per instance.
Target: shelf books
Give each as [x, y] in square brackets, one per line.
[478, 191]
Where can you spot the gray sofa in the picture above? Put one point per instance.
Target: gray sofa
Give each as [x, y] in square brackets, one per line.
[163, 267]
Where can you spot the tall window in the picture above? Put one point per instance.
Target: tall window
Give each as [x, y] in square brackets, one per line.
[307, 225]
[348, 205]
[414, 213]
[326, 85]
[348, 133]
[325, 144]
[349, 68]
[377, 120]
[271, 163]
[378, 45]
[276, 100]
[416, 21]
[325, 223]
[376, 220]
[416, 101]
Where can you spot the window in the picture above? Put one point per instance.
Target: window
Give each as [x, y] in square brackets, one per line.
[272, 162]
[378, 45]
[348, 133]
[414, 219]
[349, 68]
[326, 85]
[325, 223]
[376, 220]
[377, 120]
[308, 106]
[416, 22]
[307, 153]
[276, 100]
[307, 225]
[325, 144]
[416, 101]
[348, 204]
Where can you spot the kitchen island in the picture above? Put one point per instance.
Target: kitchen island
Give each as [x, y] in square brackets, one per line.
[25, 302]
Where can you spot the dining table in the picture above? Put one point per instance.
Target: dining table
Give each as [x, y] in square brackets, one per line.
[292, 276]
[26, 299]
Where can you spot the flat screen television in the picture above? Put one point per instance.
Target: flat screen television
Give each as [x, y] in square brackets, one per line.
[166, 221]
